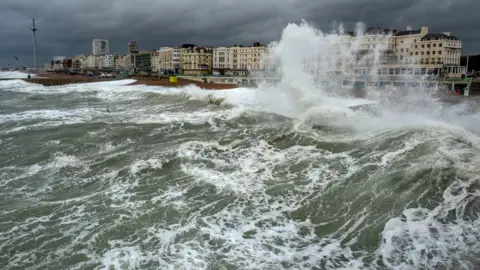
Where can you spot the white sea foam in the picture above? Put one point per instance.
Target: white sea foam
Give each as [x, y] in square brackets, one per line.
[15, 75]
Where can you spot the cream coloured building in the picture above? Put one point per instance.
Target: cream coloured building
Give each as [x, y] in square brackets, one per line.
[92, 61]
[154, 61]
[123, 61]
[196, 60]
[80, 62]
[168, 60]
[409, 51]
[240, 60]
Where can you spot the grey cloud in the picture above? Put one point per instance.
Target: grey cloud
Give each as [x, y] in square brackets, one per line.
[67, 27]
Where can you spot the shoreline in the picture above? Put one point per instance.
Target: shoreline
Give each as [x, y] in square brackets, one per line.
[164, 81]
[48, 79]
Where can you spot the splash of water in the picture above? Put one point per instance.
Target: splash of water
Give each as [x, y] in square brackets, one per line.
[309, 64]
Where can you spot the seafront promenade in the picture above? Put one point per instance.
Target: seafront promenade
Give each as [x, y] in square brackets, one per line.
[454, 85]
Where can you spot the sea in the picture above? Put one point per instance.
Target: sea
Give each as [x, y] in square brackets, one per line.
[109, 175]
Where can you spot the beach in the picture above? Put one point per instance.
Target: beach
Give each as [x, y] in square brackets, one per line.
[49, 79]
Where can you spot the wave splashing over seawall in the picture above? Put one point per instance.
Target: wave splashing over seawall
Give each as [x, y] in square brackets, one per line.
[166, 180]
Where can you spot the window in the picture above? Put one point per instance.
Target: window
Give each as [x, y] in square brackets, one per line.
[440, 45]
[423, 45]
[435, 45]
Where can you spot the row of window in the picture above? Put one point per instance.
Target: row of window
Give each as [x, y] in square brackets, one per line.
[397, 71]
[428, 53]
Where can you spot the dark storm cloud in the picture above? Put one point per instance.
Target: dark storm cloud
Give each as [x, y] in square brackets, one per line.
[68, 27]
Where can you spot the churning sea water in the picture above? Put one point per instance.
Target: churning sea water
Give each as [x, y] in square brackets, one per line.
[166, 180]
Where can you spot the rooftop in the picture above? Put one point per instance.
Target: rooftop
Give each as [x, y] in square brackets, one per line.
[408, 32]
[438, 36]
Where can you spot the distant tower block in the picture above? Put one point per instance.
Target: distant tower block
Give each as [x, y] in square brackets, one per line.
[132, 47]
[34, 29]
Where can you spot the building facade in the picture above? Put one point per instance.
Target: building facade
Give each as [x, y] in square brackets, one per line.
[196, 60]
[168, 60]
[408, 52]
[106, 61]
[92, 61]
[142, 61]
[100, 47]
[240, 60]
[80, 62]
[132, 47]
[123, 61]
[221, 61]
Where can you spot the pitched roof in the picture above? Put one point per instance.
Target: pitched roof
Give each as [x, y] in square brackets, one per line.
[408, 32]
[438, 36]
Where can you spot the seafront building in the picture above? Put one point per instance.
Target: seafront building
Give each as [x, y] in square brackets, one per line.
[143, 60]
[409, 51]
[168, 60]
[196, 60]
[375, 51]
[240, 60]
[100, 47]
[132, 47]
[92, 61]
[123, 61]
[80, 62]
[106, 61]
[221, 61]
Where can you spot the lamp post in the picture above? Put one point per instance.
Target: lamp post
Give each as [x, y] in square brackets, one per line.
[34, 29]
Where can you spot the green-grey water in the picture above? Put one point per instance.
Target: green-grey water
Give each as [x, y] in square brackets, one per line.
[166, 180]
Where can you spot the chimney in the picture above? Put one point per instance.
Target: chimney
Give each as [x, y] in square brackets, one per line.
[447, 33]
[424, 30]
[409, 28]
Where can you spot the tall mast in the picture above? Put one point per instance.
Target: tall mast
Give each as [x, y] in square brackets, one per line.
[34, 29]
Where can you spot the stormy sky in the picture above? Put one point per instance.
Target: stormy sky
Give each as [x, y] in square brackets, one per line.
[67, 27]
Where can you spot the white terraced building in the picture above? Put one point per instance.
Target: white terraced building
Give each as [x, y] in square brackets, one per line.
[240, 60]
[100, 47]
[415, 52]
